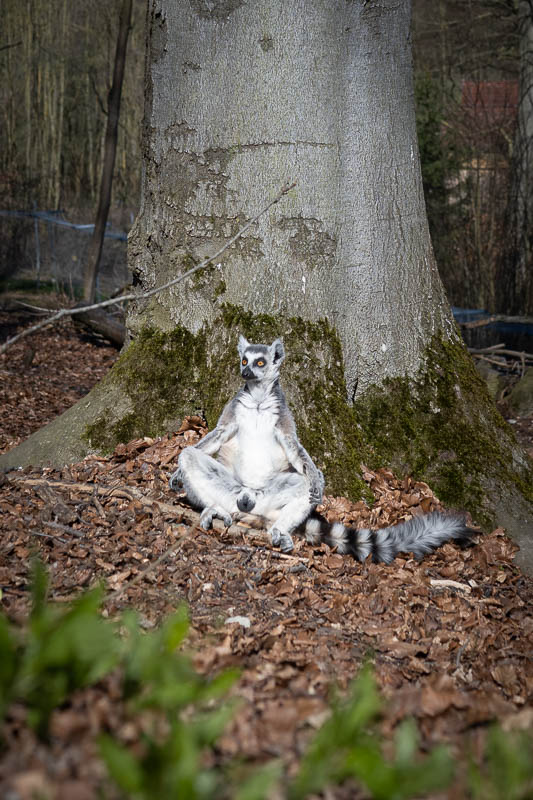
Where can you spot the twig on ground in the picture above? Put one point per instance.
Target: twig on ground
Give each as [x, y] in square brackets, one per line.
[500, 350]
[68, 312]
[49, 536]
[65, 528]
[460, 653]
[34, 308]
[464, 587]
[150, 568]
[271, 553]
[178, 512]
[502, 358]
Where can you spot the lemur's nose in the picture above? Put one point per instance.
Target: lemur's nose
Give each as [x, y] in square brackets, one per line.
[247, 373]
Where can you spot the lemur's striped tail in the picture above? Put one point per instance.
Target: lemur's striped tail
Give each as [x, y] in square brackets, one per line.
[419, 535]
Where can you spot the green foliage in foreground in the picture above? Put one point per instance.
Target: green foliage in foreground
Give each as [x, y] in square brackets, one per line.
[61, 650]
[348, 746]
[184, 714]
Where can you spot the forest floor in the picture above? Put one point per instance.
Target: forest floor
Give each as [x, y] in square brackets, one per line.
[450, 636]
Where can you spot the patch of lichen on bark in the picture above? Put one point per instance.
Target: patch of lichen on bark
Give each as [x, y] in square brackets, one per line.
[442, 427]
[166, 375]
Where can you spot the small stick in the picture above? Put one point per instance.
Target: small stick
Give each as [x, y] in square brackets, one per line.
[460, 653]
[65, 528]
[68, 312]
[49, 536]
[500, 351]
[451, 584]
[150, 568]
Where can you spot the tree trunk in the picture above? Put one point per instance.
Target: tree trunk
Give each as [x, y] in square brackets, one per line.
[241, 99]
[516, 275]
[113, 110]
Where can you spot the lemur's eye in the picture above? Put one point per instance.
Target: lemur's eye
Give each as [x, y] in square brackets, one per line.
[260, 363]
[244, 362]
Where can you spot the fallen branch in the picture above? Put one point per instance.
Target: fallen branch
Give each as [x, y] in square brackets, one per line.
[180, 512]
[105, 324]
[479, 323]
[500, 350]
[499, 356]
[437, 583]
[65, 528]
[68, 312]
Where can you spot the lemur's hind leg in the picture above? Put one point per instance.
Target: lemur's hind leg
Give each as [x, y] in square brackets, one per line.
[285, 502]
[209, 486]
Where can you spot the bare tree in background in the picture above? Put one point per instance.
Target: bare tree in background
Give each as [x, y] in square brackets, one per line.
[466, 57]
[113, 111]
[516, 278]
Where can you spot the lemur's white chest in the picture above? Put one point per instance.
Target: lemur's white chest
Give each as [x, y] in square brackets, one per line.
[254, 454]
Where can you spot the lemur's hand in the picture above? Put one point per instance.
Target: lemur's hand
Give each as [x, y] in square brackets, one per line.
[175, 481]
[316, 488]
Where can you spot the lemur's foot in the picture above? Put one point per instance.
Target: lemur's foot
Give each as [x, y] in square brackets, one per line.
[281, 540]
[209, 514]
[246, 501]
[175, 480]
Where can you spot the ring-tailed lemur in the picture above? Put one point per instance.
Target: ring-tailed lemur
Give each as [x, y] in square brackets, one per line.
[262, 471]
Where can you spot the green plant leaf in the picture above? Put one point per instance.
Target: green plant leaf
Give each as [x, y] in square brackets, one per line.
[259, 785]
[123, 767]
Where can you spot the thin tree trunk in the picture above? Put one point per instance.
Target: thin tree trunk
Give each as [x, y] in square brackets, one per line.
[515, 280]
[89, 147]
[97, 239]
[28, 88]
[60, 109]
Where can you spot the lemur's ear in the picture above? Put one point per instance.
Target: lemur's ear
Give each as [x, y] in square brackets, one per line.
[278, 351]
[243, 344]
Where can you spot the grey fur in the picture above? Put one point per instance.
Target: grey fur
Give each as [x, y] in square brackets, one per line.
[262, 467]
[419, 535]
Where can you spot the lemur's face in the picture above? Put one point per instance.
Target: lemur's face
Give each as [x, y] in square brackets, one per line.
[260, 362]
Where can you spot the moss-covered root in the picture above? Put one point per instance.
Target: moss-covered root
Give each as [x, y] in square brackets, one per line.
[443, 427]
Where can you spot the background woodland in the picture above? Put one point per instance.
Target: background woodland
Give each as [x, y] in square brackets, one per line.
[56, 66]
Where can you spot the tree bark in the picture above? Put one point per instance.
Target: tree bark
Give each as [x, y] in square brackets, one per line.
[110, 149]
[241, 99]
[516, 274]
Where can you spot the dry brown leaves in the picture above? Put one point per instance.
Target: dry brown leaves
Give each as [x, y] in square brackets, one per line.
[450, 636]
[43, 375]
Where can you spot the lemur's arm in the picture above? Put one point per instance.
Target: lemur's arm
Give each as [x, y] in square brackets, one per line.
[226, 427]
[213, 441]
[300, 460]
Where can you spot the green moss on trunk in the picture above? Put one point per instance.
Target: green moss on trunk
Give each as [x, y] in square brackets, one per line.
[443, 428]
[439, 426]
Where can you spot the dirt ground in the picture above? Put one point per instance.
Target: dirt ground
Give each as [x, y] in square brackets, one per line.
[450, 636]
